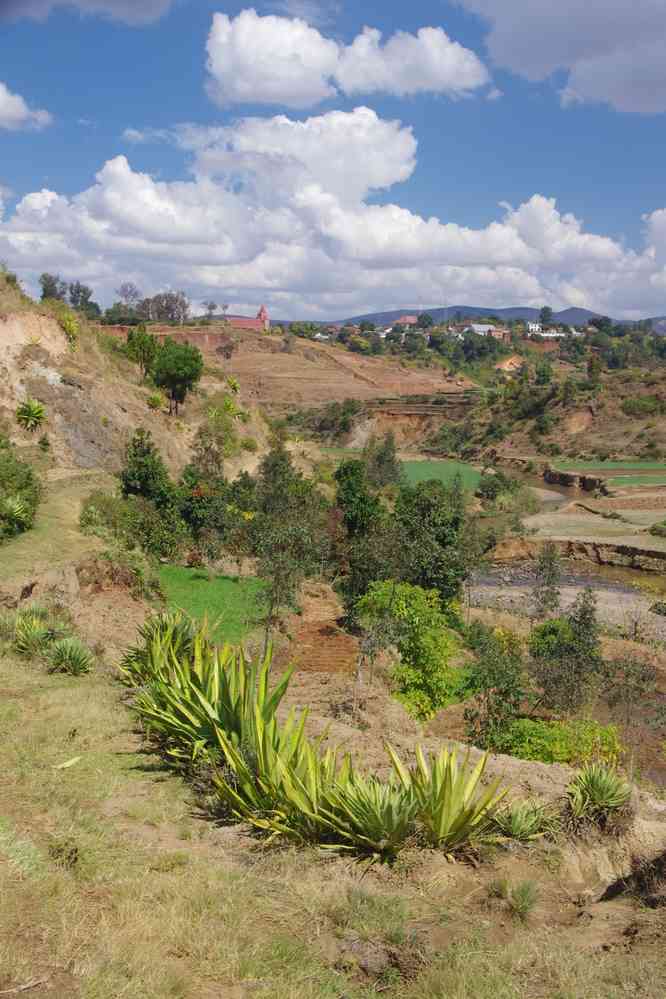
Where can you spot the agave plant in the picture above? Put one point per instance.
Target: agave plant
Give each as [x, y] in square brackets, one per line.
[15, 511]
[452, 808]
[370, 816]
[69, 655]
[597, 791]
[164, 636]
[233, 384]
[30, 415]
[524, 820]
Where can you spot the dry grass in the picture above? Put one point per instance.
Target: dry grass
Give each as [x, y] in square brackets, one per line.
[113, 886]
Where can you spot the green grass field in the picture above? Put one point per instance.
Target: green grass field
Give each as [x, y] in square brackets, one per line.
[637, 480]
[633, 465]
[444, 471]
[225, 600]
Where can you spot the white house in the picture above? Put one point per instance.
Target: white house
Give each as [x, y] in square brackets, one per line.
[534, 327]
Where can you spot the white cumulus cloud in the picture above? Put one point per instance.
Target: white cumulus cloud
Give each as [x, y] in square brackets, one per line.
[15, 113]
[286, 212]
[612, 50]
[285, 60]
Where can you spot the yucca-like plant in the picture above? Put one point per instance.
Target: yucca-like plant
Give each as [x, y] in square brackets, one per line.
[370, 816]
[69, 655]
[596, 792]
[15, 510]
[30, 415]
[524, 820]
[452, 808]
[32, 634]
[164, 638]
[193, 695]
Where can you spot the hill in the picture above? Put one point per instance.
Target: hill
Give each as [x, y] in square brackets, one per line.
[573, 316]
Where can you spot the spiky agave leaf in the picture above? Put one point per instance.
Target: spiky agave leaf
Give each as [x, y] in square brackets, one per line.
[596, 791]
[524, 820]
[69, 655]
[452, 808]
[15, 510]
[31, 414]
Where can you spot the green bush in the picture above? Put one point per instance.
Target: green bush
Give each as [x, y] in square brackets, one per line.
[69, 655]
[249, 444]
[596, 793]
[135, 522]
[573, 742]
[67, 319]
[20, 492]
[156, 401]
[30, 415]
[644, 405]
[659, 530]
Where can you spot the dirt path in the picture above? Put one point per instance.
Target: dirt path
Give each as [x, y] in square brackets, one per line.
[55, 539]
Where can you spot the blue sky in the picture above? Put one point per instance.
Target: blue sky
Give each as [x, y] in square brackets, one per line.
[517, 102]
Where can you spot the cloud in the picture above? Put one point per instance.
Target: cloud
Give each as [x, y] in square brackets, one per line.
[281, 60]
[286, 212]
[128, 11]
[146, 135]
[611, 50]
[15, 113]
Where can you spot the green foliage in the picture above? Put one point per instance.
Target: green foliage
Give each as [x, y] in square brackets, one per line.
[424, 678]
[381, 461]
[30, 415]
[524, 821]
[522, 899]
[135, 522]
[573, 742]
[144, 473]
[644, 405]
[546, 590]
[329, 422]
[177, 368]
[133, 568]
[596, 793]
[566, 661]
[69, 655]
[142, 348]
[452, 806]
[249, 444]
[360, 509]
[203, 703]
[493, 483]
[20, 492]
[438, 548]
[497, 681]
[67, 320]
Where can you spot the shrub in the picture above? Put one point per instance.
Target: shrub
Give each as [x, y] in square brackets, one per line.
[524, 820]
[644, 405]
[30, 415]
[596, 793]
[35, 629]
[249, 444]
[131, 567]
[522, 899]
[67, 319]
[156, 401]
[573, 742]
[69, 655]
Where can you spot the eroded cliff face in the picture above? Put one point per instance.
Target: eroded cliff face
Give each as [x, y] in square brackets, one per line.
[597, 552]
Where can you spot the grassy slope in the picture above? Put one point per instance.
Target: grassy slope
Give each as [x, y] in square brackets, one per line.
[112, 885]
[55, 539]
[231, 602]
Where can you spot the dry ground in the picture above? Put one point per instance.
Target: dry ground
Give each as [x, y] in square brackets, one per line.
[114, 884]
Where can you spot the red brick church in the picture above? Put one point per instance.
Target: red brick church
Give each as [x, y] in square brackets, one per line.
[262, 322]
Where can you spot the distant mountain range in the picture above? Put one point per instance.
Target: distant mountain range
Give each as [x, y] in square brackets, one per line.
[567, 317]
[574, 317]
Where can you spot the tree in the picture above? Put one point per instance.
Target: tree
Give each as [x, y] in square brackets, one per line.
[432, 525]
[383, 467]
[142, 348]
[543, 373]
[546, 317]
[53, 287]
[79, 296]
[593, 369]
[412, 619]
[367, 327]
[177, 368]
[211, 308]
[424, 321]
[129, 295]
[360, 509]
[566, 661]
[497, 678]
[144, 473]
[546, 589]
[287, 532]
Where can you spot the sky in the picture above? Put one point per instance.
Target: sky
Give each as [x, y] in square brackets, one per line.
[328, 158]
